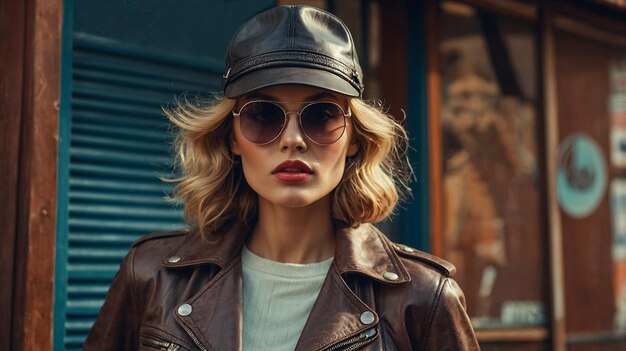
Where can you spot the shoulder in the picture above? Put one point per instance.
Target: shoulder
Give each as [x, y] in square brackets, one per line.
[429, 273]
[414, 260]
[434, 275]
[412, 257]
[383, 256]
[147, 252]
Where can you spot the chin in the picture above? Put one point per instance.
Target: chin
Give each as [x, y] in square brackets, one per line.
[293, 201]
[293, 198]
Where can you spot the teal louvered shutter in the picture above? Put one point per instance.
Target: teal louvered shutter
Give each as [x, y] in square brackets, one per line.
[119, 144]
[115, 142]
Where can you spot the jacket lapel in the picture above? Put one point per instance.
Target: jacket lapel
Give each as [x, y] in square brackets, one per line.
[339, 314]
[335, 316]
[216, 317]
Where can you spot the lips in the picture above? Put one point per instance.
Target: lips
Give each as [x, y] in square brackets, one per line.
[292, 171]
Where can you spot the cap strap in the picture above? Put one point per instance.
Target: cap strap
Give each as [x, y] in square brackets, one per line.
[293, 59]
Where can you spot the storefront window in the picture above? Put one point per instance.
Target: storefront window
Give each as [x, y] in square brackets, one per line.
[493, 214]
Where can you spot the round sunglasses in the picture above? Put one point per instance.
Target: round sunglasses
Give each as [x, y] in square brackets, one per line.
[261, 122]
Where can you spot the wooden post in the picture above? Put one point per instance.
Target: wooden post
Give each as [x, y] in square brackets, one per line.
[12, 17]
[554, 214]
[36, 201]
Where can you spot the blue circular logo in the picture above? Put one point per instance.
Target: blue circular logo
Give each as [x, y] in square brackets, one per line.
[581, 175]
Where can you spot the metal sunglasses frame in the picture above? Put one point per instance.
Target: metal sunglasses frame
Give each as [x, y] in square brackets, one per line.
[345, 114]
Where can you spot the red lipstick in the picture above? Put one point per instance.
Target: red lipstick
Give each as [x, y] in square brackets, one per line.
[292, 171]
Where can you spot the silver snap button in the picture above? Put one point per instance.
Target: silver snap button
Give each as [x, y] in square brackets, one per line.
[407, 249]
[367, 317]
[185, 309]
[174, 259]
[390, 276]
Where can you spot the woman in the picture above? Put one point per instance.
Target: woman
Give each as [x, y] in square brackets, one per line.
[281, 180]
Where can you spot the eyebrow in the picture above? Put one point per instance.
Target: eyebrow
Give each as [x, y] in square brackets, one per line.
[318, 96]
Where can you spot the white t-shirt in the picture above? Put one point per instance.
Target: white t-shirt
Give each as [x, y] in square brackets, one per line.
[277, 300]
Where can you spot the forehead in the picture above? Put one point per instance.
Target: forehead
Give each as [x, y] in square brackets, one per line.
[293, 92]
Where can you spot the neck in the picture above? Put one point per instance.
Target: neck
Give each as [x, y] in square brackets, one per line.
[294, 235]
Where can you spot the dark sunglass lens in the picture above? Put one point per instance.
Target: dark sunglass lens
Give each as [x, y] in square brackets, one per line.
[323, 122]
[261, 122]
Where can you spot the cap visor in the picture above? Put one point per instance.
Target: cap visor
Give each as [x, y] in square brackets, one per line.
[289, 75]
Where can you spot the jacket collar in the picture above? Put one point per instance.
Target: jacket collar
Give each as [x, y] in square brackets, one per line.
[361, 250]
[218, 250]
[365, 250]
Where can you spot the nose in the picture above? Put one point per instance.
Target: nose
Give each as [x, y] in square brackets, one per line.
[292, 137]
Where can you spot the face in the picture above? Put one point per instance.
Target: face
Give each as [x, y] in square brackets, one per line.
[292, 170]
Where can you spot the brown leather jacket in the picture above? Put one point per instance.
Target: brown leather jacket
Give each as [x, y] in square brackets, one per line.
[175, 291]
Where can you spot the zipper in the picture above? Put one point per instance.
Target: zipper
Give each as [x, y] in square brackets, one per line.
[161, 345]
[193, 337]
[355, 342]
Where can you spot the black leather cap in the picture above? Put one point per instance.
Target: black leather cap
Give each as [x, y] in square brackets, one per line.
[292, 45]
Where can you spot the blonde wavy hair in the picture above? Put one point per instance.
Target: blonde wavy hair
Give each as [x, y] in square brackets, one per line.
[215, 193]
